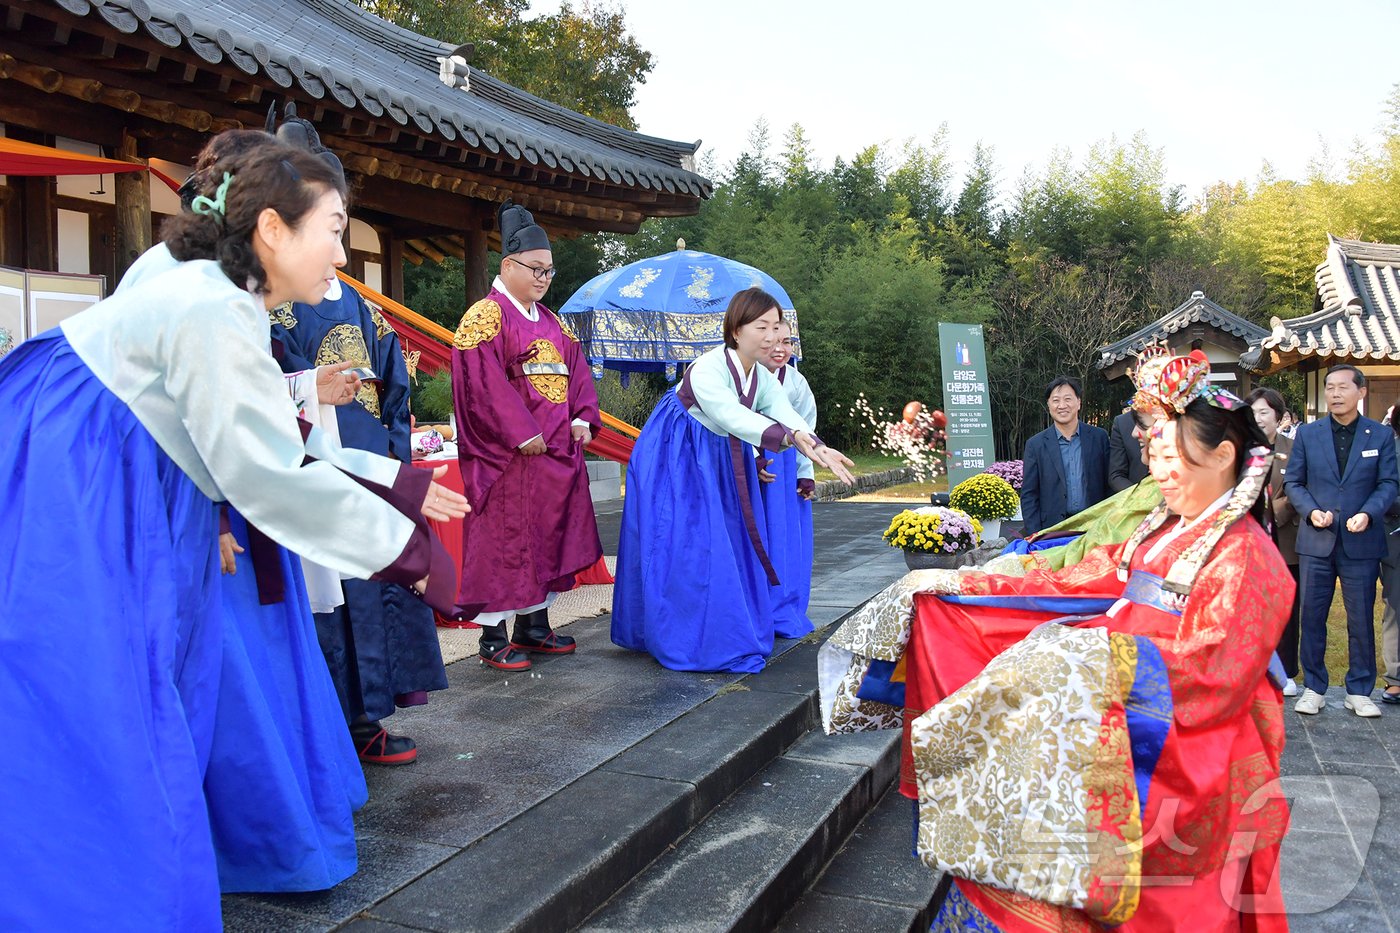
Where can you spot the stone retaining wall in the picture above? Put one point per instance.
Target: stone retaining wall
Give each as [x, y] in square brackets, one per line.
[832, 489]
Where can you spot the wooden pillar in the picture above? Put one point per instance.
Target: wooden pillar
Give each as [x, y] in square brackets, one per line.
[40, 223]
[393, 266]
[478, 277]
[11, 225]
[133, 195]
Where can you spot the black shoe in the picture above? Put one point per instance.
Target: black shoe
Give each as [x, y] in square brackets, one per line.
[532, 633]
[1388, 697]
[376, 746]
[498, 652]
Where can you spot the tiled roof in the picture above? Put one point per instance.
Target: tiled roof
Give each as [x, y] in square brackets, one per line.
[335, 49]
[1198, 309]
[1358, 309]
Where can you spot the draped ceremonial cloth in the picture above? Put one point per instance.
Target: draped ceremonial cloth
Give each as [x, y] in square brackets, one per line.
[532, 526]
[1115, 766]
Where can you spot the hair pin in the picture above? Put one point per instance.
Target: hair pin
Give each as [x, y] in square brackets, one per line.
[216, 205]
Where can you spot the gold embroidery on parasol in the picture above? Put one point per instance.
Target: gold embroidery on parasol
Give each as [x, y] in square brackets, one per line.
[481, 323]
[282, 314]
[552, 386]
[345, 343]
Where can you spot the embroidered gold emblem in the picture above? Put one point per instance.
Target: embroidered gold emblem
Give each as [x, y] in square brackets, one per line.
[345, 343]
[410, 362]
[282, 314]
[552, 386]
[381, 326]
[481, 323]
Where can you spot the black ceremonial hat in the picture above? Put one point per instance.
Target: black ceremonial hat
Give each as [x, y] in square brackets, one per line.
[301, 134]
[519, 232]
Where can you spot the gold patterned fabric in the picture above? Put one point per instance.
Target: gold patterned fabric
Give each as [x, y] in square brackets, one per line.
[481, 323]
[552, 386]
[1018, 768]
[382, 328]
[345, 343]
[282, 314]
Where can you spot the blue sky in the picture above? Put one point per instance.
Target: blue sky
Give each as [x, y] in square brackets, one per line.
[1221, 86]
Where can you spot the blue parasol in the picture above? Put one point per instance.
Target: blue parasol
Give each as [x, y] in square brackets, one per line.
[661, 311]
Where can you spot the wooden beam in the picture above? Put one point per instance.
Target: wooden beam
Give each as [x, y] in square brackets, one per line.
[133, 197]
[427, 248]
[478, 277]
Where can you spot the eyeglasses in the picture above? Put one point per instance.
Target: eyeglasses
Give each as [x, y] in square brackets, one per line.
[540, 274]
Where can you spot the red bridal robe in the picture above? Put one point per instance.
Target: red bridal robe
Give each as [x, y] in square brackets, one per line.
[531, 527]
[1206, 813]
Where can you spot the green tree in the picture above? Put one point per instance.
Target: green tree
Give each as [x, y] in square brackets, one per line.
[583, 58]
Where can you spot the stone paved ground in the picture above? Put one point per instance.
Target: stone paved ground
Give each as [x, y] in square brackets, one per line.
[1341, 859]
[493, 745]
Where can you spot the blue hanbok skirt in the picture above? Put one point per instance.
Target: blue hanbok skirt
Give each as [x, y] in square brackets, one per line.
[284, 780]
[789, 521]
[690, 589]
[110, 642]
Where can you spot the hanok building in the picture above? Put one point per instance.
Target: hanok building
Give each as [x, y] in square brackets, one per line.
[1196, 324]
[1356, 320]
[431, 145]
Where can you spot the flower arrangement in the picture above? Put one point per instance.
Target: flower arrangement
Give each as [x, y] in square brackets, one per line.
[1009, 470]
[934, 530]
[984, 496]
[917, 437]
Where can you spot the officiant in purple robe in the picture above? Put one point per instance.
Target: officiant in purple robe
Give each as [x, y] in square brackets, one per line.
[525, 408]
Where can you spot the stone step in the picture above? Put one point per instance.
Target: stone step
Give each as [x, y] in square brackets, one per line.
[744, 866]
[550, 867]
[875, 882]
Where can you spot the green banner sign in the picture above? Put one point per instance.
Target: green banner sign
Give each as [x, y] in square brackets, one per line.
[966, 401]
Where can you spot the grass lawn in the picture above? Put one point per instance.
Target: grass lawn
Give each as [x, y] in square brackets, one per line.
[1337, 640]
[867, 462]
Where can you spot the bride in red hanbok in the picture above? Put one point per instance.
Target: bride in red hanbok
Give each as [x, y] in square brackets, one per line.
[1099, 745]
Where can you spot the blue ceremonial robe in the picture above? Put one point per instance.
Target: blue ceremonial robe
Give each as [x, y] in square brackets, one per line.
[381, 646]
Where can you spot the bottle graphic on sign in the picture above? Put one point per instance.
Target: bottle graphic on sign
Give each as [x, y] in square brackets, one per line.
[963, 353]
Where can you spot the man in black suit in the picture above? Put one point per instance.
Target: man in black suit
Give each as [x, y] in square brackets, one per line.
[1125, 464]
[1066, 465]
[1341, 479]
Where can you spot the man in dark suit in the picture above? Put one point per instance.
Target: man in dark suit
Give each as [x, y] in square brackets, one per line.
[1066, 465]
[1341, 480]
[1125, 464]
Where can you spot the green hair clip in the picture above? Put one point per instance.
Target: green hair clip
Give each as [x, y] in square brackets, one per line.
[215, 205]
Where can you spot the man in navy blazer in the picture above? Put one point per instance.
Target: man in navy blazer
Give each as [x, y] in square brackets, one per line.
[1065, 467]
[1341, 479]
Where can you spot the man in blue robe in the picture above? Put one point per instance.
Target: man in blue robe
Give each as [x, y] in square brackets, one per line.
[381, 645]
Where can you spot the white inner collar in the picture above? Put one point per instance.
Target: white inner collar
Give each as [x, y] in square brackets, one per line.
[745, 381]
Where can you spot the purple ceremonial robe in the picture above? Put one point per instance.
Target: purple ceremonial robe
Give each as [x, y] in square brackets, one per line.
[531, 527]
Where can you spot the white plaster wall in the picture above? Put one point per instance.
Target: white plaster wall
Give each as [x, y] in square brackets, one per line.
[364, 237]
[73, 252]
[374, 276]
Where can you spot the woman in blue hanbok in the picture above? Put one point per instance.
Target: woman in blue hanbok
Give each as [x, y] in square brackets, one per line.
[126, 425]
[787, 500]
[695, 579]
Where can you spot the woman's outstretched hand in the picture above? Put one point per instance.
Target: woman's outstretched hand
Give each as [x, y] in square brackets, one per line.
[824, 456]
[442, 504]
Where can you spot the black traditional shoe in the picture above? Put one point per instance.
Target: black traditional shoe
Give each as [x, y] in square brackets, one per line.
[376, 746]
[532, 633]
[497, 651]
